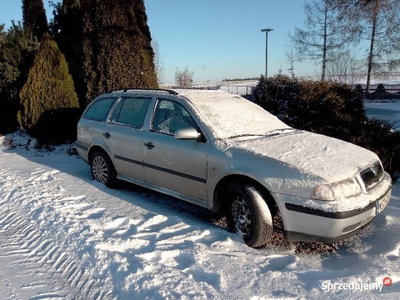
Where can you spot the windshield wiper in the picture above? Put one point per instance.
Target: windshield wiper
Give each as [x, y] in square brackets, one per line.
[269, 133]
[246, 134]
[279, 131]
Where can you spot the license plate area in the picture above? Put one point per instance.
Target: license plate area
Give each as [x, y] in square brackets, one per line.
[383, 202]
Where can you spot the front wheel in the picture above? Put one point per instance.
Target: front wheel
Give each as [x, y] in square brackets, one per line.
[102, 169]
[248, 214]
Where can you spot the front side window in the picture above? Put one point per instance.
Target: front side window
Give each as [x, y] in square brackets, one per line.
[170, 116]
[98, 111]
[131, 111]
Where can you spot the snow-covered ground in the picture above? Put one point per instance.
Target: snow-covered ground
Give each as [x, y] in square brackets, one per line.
[388, 110]
[64, 236]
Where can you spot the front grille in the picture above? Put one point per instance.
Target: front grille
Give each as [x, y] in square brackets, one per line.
[372, 175]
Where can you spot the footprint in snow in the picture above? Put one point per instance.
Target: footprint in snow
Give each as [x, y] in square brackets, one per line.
[394, 255]
[278, 263]
[94, 213]
[72, 198]
[184, 260]
[42, 175]
[117, 223]
[81, 210]
[175, 258]
[199, 275]
[156, 223]
[119, 227]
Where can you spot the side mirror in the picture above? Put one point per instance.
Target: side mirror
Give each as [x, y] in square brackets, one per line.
[187, 134]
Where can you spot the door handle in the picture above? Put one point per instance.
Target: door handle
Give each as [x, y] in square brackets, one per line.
[149, 145]
[107, 135]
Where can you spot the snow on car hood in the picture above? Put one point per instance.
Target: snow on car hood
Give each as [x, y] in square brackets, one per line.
[329, 158]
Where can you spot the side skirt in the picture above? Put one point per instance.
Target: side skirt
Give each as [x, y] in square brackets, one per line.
[168, 192]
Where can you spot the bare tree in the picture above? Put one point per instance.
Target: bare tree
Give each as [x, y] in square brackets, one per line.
[158, 61]
[291, 59]
[345, 68]
[2, 33]
[322, 36]
[184, 78]
[377, 22]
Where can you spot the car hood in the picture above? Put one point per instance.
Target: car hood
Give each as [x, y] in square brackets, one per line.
[314, 154]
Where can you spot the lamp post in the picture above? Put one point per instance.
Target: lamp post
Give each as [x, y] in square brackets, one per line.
[266, 30]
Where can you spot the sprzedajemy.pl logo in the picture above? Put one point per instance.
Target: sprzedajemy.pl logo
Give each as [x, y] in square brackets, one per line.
[357, 286]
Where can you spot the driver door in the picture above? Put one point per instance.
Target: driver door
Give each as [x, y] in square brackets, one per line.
[177, 165]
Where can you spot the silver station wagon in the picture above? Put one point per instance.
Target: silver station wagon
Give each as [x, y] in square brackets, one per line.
[225, 153]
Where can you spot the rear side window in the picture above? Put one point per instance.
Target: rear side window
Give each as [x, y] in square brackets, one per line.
[131, 111]
[98, 111]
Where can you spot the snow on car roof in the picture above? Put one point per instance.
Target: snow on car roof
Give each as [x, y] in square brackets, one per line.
[231, 115]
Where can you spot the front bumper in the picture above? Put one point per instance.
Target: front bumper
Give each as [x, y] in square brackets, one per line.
[309, 224]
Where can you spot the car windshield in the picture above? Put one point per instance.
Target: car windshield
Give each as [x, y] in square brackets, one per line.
[233, 116]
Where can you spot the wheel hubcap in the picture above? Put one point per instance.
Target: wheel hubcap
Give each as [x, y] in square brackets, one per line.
[100, 170]
[241, 217]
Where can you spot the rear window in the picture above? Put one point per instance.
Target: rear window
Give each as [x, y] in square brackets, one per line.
[98, 111]
[131, 111]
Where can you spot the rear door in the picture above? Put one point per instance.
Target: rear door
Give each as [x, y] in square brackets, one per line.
[123, 135]
[177, 165]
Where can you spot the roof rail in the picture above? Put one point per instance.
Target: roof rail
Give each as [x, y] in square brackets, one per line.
[124, 90]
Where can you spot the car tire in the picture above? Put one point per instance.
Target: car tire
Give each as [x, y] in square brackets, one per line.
[248, 214]
[103, 169]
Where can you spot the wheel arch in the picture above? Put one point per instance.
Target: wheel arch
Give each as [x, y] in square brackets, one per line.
[218, 199]
[105, 168]
[101, 149]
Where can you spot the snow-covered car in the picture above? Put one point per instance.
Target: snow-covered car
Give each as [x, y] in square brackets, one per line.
[225, 153]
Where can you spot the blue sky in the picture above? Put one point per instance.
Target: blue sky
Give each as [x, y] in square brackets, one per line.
[217, 39]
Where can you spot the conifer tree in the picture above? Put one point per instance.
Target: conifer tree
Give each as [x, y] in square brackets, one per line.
[34, 18]
[124, 55]
[67, 31]
[17, 52]
[109, 47]
[49, 85]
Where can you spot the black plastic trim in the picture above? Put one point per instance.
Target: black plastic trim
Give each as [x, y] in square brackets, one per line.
[80, 146]
[187, 176]
[128, 160]
[124, 90]
[331, 215]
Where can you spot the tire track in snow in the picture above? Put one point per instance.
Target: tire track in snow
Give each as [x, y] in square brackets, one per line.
[150, 258]
[37, 255]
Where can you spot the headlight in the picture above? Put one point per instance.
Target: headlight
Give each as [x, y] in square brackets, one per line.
[335, 191]
[323, 192]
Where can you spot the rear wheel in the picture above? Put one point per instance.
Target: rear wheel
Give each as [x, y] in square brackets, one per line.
[248, 214]
[102, 169]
